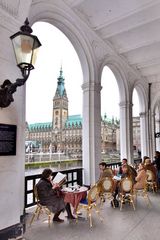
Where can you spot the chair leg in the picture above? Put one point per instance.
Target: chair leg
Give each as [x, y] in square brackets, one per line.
[102, 199]
[132, 201]
[121, 201]
[112, 200]
[49, 220]
[48, 212]
[39, 212]
[98, 213]
[145, 195]
[87, 216]
[135, 198]
[155, 187]
[90, 217]
[32, 219]
[34, 215]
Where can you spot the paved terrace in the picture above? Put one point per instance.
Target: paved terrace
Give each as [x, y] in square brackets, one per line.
[142, 224]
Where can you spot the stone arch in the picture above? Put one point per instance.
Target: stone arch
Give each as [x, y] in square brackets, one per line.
[62, 20]
[142, 96]
[144, 117]
[155, 102]
[120, 76]
[153, 112]
[81, 39]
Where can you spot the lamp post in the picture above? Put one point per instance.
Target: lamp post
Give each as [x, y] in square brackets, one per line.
[25, 47]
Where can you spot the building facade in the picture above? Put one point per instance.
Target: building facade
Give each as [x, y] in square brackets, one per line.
[64, 133]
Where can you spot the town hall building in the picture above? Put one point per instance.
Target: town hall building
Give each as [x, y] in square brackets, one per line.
[64, 133]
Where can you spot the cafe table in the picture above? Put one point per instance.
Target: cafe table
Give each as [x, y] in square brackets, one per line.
[74, 195]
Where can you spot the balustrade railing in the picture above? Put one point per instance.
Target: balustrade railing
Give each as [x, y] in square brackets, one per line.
[114, 165]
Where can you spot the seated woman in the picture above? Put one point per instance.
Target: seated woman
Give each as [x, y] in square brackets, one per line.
[149, 166]
[127, 172]
[141, 177]
[50, 195]
[131, 172]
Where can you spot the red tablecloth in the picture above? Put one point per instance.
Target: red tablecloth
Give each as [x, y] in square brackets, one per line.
[75, 197]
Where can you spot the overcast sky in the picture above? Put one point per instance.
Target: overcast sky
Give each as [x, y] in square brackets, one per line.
[56, 50]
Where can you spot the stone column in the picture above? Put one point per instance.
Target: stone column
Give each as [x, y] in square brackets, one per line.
[144, 134]
[151, 134]
[91, 133]
[157, 129]
[126, 131]
[153, 140]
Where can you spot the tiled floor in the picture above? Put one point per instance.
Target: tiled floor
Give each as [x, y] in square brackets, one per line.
[141, 224]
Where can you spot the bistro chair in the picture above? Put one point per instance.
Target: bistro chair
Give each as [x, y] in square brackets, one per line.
[90, 203]
[109, 172]
[107, 186]
[40, 209]
[126, 192]
[142, 192]
[151, 181]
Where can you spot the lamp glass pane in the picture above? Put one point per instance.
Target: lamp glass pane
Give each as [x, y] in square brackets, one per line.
[34, 57]
[23, 45]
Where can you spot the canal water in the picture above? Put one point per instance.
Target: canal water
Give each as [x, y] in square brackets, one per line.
[59, 167]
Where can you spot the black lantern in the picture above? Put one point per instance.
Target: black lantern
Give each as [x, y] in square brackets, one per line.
[25, 47]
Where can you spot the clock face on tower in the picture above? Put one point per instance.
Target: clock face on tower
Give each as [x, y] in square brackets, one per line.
[57, 103]
[65, 104]
[56, 112]
[64, 113]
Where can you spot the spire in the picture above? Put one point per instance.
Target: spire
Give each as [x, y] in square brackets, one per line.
[60, 85]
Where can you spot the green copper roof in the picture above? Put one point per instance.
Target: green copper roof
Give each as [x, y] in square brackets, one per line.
[74, 119]
[60, 85]
[39, 125]
[106, 119]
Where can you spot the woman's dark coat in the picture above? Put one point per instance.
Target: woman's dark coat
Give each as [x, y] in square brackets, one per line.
[49, 196]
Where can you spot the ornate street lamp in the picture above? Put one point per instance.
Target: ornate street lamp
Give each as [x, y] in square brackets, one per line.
[25, 47]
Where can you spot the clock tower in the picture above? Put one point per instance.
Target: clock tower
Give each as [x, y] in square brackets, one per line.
[60, 104]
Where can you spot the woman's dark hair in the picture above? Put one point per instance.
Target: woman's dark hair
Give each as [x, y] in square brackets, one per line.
[103, 164]
[144, 158]
[125, 159]
[46, 173]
